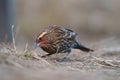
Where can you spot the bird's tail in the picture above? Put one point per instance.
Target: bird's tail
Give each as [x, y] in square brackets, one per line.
[83, 48]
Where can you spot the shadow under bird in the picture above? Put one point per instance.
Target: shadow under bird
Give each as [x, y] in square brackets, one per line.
[55, 39]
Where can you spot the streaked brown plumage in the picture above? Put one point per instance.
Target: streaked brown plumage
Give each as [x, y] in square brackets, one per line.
[56, 39]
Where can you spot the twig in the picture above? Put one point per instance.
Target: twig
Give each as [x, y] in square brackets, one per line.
[26, 48]
[72, 68]
[39, 58]
[14, 63]
[105, 62]
[13, 38]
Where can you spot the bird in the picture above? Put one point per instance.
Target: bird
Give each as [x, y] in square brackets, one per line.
[55, 39]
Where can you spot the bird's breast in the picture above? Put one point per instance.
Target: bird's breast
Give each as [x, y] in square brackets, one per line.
[48, 47]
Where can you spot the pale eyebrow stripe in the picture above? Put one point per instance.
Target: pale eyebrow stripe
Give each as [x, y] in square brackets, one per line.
[42, 35]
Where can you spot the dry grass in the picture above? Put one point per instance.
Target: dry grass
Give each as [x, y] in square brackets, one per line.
[103, 64]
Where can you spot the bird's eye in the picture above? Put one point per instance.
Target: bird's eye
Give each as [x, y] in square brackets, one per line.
[40, 39]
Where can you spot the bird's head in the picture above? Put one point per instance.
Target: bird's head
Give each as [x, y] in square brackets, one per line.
[40, 39]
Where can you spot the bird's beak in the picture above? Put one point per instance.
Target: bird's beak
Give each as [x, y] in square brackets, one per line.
[36, 45]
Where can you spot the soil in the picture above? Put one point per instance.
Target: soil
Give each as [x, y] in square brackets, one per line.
[102, 64]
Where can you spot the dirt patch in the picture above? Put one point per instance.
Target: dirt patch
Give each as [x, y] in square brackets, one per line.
[103, 63]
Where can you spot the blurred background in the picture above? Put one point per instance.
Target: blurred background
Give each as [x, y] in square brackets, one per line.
[97, 23]
[91, 18]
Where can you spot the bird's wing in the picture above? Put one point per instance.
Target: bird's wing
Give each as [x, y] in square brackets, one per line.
[70, 34]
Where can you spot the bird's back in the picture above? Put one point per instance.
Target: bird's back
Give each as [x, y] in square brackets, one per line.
[61, 39]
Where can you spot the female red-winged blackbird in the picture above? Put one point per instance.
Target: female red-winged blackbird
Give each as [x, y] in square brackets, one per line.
[56, 39]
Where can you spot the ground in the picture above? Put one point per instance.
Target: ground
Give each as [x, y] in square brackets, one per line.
[102, 64]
